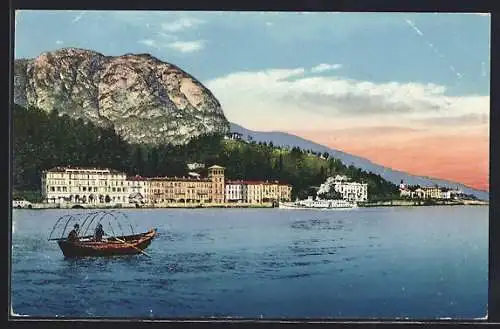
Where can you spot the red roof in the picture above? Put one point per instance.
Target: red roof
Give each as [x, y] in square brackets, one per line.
[137, 178]
[179, 179]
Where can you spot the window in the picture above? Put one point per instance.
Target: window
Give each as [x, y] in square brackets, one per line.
[58, 189]
[52, 188]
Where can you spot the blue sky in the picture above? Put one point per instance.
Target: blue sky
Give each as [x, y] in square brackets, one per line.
[406, 90]
[449, 50]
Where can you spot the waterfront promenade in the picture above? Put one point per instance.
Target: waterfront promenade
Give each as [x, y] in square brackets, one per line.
[178, 205]
[68, 205]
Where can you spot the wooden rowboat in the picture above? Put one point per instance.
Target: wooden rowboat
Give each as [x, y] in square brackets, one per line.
[121, 245]
[88, 245]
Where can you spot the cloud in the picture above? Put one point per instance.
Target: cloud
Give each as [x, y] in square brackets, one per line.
[149, 42]
[59, 42]
[466, 119]
[181, 24]
[325, 67]
[289, 98]
[187, 46]
[269, 23]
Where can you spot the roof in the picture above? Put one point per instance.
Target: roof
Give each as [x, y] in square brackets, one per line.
[253, 182]
[234, 182]
[179, 179]
[215, 167]
[137, 178]
[76, 168]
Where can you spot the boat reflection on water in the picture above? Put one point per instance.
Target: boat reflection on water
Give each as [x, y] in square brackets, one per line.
[318, 203]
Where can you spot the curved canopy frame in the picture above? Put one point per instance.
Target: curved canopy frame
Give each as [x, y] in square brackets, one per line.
[114, 223]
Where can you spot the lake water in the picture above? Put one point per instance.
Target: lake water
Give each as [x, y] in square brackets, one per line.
[419, 263]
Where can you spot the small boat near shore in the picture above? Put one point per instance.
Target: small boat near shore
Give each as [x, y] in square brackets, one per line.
[90, 246]
[320, 204]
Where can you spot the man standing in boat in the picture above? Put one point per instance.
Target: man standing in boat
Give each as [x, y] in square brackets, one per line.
[73, 235]
[99, 232]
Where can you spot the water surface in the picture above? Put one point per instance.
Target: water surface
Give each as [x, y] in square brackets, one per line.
[420, 263]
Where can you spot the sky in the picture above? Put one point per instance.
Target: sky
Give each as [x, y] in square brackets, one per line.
[408, 91]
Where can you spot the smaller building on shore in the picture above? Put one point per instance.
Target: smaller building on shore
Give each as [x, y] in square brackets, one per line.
[429, 192]
[351, 191]
[234, 136]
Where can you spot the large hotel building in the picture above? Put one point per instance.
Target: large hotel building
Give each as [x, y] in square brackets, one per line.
[94, 186]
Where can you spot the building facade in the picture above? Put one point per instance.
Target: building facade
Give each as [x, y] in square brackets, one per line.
[184, 189]
[234, 136]
[216, 176]
[285, 192]
[252, 192]
[270, 192]
[138, 189]
[432, 192]
[234, 191]
[84, 185]
[91, 185]
[351, 191]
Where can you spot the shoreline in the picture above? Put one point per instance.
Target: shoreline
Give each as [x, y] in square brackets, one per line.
[377, 204]
[47, 206]
[404, 203]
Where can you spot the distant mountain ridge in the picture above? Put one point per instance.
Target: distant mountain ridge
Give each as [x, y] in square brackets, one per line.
[394, 176]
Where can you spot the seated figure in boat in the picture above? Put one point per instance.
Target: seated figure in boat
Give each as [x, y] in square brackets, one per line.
[99, 233]
[73, 235]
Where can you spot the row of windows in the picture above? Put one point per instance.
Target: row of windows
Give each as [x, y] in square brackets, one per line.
[85, 189]
[83, 176]
[86, 182]
[179, 184]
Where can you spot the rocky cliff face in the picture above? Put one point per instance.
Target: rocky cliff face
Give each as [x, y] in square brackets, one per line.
[145, 99]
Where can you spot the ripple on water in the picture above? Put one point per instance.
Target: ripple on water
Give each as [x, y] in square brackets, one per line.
[317, 224]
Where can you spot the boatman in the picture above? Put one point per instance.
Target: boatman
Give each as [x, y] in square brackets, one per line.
[99, 232]
[73, 235]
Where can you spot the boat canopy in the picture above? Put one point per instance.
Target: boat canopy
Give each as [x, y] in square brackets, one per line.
[114, 223]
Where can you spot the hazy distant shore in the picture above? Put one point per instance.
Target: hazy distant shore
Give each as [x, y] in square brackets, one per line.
[423, 203]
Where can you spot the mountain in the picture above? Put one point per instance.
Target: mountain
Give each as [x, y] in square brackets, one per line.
[394, 176]
[144, 99]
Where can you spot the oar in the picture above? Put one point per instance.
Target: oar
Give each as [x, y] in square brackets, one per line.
[131, 245]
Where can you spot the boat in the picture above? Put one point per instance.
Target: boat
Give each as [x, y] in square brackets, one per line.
[318, 204]
[88, 246]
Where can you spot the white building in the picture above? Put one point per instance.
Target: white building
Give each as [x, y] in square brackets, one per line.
[234, 191]
[351, 191]
[137, 186]
[233, 136]
[195, 166]
[84, 185]
[21, 204]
